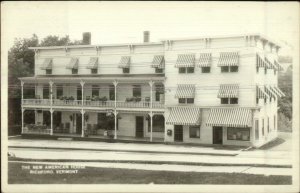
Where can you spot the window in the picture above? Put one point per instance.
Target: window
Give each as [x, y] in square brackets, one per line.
[234, 100]
[195, 131]
[159, 89]
[236, 133]
[263, 127]
[224, 68]
[190, 69]
[186, 100]
[59, 91]
[268, 125]
[205, 69]
[137, 91]
[229, 68]
[229, 100]
[94, 71]
[48, 71]
[158, 70]
[158, 124]
[234, 68]
[256, 130]
[112, 93]
[182, 70]
[46, 92]
[46, 118]
[257, 100]
[95, 90]
[74, 71]
[126, 70]
[79, 93]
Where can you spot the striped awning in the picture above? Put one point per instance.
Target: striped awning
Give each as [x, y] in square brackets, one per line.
[277, 91]
[270, 92]
[184, 116]
[229, 59]
[73, 64]
[47, 64]
[261, 94]
[228, 91]
[230, 117]
[185, 91]
[260, 63]
[158, 62]
[279, 67]
[204, 60]
[185, 60]
[270, 64]
[93, 63]
[124, 62]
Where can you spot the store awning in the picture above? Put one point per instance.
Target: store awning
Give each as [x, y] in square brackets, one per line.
[261, 94]
[270, 92]
[73, 64]
[124, 62]
[47, 64]
[93, 63]
[277, 91]
[260, 63]
[185, 91]
[228, 91]
[184, 116]
[158, 62]
[185, 60]
[229, 59]
[230, 117]
[205, 60]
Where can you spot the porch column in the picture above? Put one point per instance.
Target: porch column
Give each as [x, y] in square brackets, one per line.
[116, 116]
[115, 84]
[82, 85]
[151, 125]
[51, 94]
[22, 85]
[151, 86]
[51, 122]
[82, 120]
[22, 120]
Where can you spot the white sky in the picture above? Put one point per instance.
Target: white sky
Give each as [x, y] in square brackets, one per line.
[124, 22]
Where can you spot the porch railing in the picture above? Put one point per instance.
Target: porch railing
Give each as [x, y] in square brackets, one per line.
[90, 103]
[36, 130]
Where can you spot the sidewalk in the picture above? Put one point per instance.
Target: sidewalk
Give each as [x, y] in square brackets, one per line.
[120, 147]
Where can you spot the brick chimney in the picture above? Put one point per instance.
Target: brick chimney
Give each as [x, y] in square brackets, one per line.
[86, 38]
[146, 36]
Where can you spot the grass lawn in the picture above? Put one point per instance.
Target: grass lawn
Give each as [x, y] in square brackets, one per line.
[91, 175]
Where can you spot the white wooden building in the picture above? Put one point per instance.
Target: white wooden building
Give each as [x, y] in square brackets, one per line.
[207, 90]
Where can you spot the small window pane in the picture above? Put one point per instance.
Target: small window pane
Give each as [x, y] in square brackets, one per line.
[94, 71]
[190, 70]
[137, 91]
[158, 70]
[125, 70]
[181, 100]
[205, 69]
[182, 70]
[234, 100]
[195, 131]
[224, 100]
[234, 68]
[190, 100]
[224, 69]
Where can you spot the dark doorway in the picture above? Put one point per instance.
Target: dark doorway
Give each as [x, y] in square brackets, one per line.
[56, 118]
[79, 93]
[78, 123]
[217, 135]
[178, 133]
[139, 126]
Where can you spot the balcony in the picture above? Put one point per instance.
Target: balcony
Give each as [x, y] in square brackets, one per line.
[90, 103]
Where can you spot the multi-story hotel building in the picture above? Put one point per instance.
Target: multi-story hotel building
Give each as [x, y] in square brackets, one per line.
[210, 90]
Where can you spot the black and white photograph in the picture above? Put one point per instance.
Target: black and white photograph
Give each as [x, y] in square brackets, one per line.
[132, 96]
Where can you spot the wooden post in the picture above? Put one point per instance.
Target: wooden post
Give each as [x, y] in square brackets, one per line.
[115, 84]
[82, 125]
[116, 116]
[82, 85]
[151, 86]
[151, 125]
[51, 94]
[22, 119]
[51, 112]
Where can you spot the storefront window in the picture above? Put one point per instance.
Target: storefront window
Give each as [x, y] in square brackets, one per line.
[195, 131]
[236, 133]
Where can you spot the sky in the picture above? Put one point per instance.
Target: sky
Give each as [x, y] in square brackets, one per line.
[124, 22]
